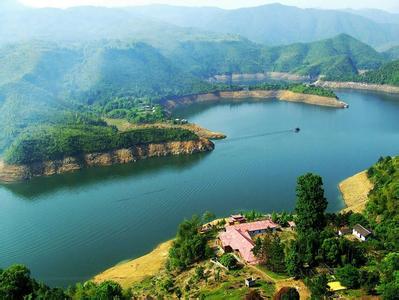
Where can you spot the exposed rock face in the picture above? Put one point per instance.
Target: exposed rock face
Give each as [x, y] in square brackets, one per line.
[359, 86]
[260, 95]
[12, 173]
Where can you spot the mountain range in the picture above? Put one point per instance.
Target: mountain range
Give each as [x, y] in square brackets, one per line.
[272, 25]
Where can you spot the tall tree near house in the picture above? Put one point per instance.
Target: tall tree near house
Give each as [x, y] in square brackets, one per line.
[310, 211]
[311, 203]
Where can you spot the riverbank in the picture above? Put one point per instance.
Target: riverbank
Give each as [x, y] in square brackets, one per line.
[133, 271]
[13, 173]
[355, 191]
[258, 95]
[358, 86]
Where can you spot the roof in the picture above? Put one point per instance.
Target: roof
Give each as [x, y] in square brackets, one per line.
[255, 226]
[291, 224]
[239, 241]
[360, 229]
[237, 216]
[345, 230]
[336, 286]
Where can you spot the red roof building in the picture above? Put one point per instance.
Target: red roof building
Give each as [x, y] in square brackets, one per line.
[238, 238]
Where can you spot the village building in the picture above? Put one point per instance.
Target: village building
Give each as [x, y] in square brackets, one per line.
[291, 225]
[234, 219]
[238, 238]
[344, 231]
[360, 232]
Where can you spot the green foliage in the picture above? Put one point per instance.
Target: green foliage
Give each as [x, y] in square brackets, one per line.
[382, 210]
[311, 204]
[270, 251]
[318, 286]
[16, 283]
[349, 276]
[189, 246]
[296, 88]
[55, 142]
[293, 260]
[228, 260]
[312, 90]
[386, 74]
[340, 251]
[108, 290]
[252, 215]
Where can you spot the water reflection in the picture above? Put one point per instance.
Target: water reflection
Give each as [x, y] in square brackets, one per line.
[41, 186]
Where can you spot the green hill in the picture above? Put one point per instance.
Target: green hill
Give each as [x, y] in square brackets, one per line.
[387, 74]
[40, 82]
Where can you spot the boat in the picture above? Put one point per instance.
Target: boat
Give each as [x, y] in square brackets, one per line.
[296, 130]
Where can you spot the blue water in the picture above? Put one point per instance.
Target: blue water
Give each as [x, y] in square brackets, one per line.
[67, 228]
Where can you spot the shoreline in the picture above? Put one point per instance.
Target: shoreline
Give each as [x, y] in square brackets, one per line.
[391, 89]
[135, 270]
[258, 95]
[15, 173]
[354, 191]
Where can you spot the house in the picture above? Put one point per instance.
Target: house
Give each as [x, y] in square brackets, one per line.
[237, 219]
[344, 231]
[238, 238]
[250, 282]
[291, 225]
[360, 232]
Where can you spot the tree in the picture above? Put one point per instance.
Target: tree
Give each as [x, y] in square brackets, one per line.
[311, 203]
[330, 251]
[228, 260]
[293, 261]
[270, 251]
[190, 246]
[108, 290]
[318, 286]
[208, 217]
[349, 276]
[369, 280]
[15, 282]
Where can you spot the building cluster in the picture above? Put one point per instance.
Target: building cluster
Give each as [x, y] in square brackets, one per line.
[238, 236]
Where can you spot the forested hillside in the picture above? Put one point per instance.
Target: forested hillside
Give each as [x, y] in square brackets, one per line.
[387, 74]
[41, 81]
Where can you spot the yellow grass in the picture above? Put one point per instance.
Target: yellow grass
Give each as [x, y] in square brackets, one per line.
[133, 271]
[355, 190]
[336, 286]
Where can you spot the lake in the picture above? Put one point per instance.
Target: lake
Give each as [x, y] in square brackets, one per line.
[69, 227]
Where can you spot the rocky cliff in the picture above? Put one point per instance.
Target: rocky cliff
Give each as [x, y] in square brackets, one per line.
[12, 173]
[259, 95]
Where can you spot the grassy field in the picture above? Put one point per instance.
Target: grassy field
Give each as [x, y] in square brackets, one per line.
[136, 270]
[355, 190]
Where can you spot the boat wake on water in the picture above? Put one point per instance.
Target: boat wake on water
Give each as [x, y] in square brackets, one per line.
[295, 130]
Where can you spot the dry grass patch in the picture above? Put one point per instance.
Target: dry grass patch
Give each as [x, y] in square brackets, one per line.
[355, 191]
[136, 270]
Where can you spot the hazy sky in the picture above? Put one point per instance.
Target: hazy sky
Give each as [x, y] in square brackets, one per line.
[389, 5]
